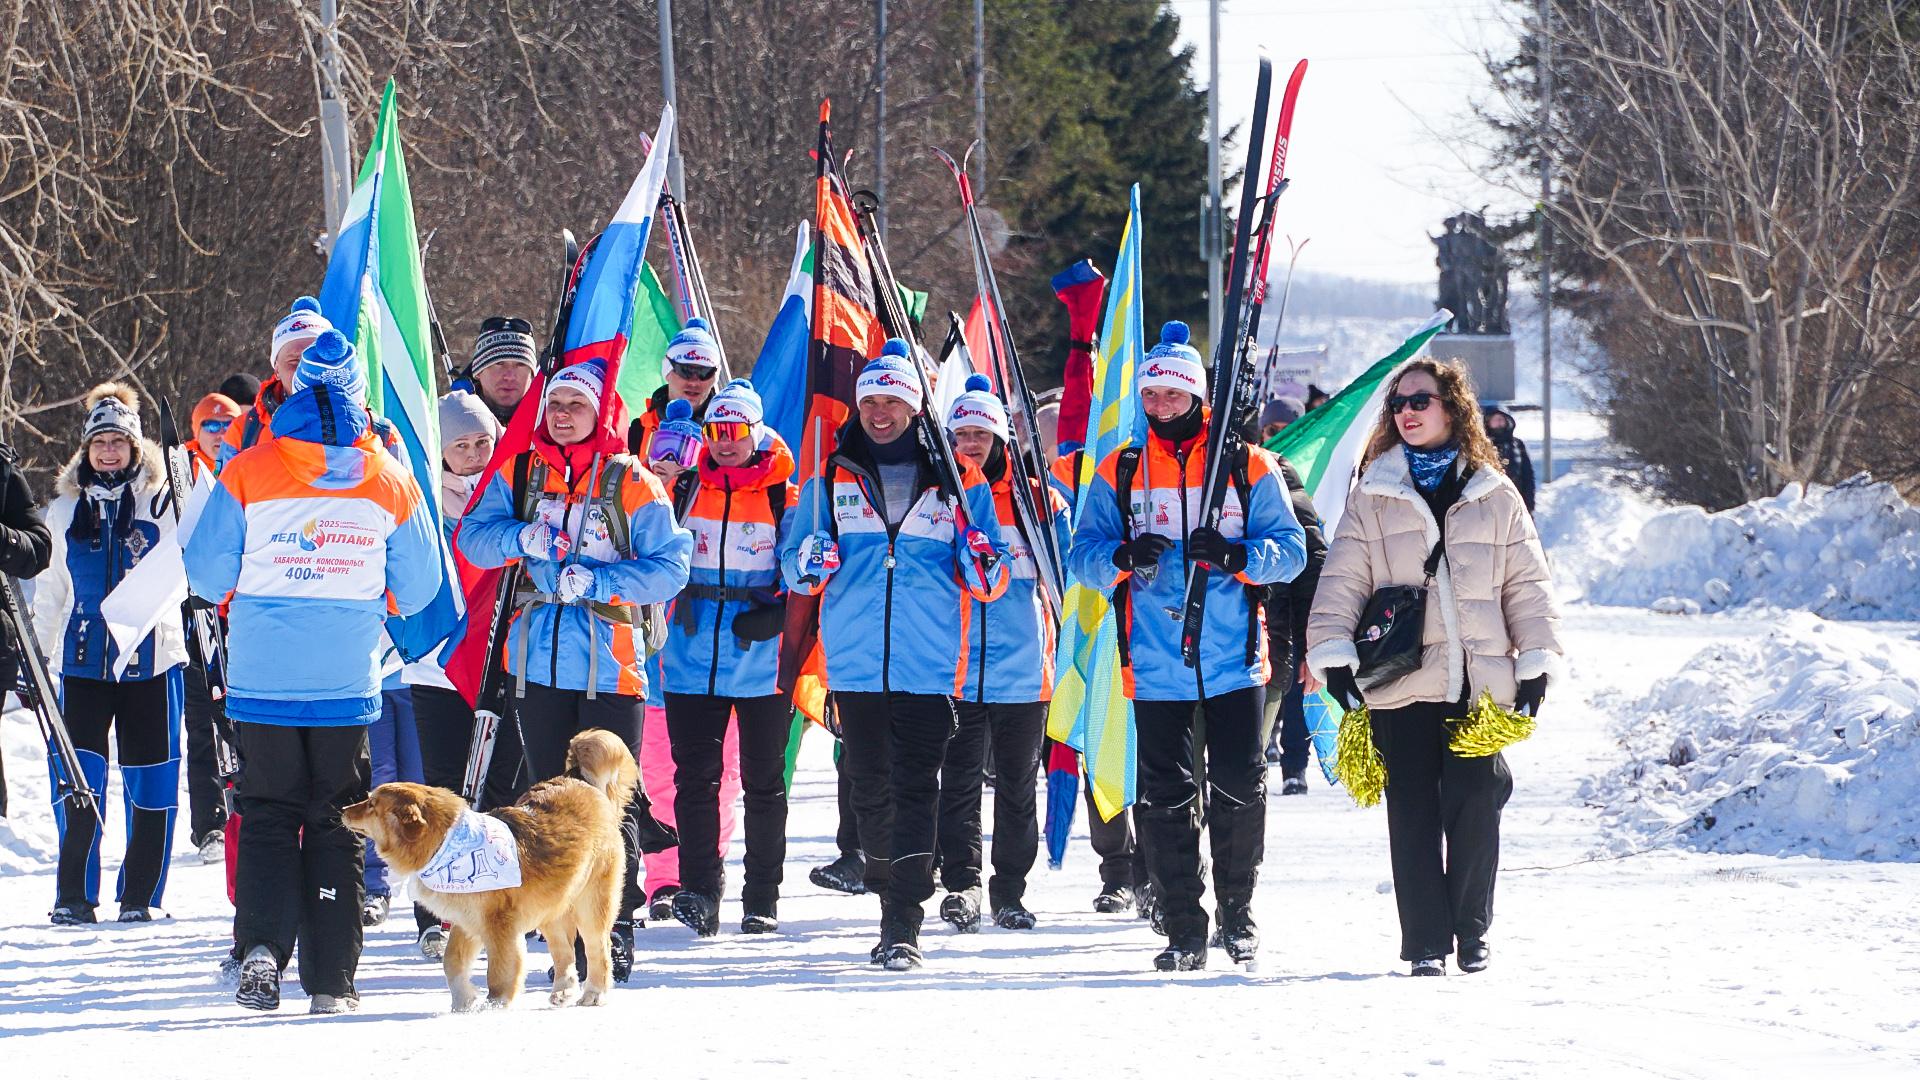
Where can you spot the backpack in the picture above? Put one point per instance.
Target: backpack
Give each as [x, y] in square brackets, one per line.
[1125, 468]
[529, 484]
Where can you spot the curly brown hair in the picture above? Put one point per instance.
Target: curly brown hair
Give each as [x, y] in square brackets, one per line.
[1456, 394]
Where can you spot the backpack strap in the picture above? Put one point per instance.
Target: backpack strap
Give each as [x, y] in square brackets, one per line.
[619, 530]
[1125, 468]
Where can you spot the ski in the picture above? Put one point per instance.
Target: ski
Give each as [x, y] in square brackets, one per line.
[202, 623]
[690, 281]
[1027, 458]
[490, 704]
[1223, 442]
[37, 690]
[893, 316]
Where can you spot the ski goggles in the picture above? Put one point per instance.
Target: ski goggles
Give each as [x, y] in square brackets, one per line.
[728, 430]
[694, 372]
[681, 448]
[215, 425]
[1399, 403]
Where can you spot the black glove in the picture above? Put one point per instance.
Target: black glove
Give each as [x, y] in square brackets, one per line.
[1141, 551]
[762, 622]
[1344, 690]
[1208, 546]
[651, 835]
[1532, 692]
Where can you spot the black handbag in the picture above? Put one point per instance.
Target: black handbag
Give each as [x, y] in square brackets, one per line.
[1388, 637]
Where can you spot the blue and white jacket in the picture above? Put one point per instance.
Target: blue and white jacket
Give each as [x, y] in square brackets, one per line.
[90, 559]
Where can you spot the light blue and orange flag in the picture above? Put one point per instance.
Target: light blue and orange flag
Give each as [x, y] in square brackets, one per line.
[1090, 710]
[375, 292]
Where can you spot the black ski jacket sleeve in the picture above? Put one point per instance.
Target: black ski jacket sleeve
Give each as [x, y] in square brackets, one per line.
[1519, 467]
[26, 545]
[1288, 605]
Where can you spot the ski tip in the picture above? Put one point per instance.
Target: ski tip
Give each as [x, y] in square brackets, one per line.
[826, 109]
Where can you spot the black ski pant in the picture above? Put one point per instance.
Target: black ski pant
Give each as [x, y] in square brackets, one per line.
[206, 808]
[143, 719]
[445, 726]
[846, 834]
[1015, 732]
[549, 719]
[300, 876]
[1122, 860]
[1443, 828]
[894, 746]
[697, 729]
[1236, 804]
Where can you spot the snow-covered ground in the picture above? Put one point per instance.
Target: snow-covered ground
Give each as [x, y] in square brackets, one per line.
[1624, 946]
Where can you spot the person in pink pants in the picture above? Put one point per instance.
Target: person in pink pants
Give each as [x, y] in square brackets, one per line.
[656, 774]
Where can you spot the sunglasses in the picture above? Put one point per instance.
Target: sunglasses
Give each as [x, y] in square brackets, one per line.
[728, 430]
[508, 323]
[694, 373]
[1398, 403]
[215, 426]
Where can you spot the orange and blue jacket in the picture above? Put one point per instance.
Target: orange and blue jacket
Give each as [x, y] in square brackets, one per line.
[736, 567]
[594, 643]
[313, 537]
[1010, 656]
[1166, 498]
[894, 617]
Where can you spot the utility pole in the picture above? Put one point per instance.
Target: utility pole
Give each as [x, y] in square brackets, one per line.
[980, 89]
[880, 121]
[1546, 242]
[676, 167]
[336, 138]
[1211, 225]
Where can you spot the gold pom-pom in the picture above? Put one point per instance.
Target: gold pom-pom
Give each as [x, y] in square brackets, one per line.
[1357, 764]
[1488, 729]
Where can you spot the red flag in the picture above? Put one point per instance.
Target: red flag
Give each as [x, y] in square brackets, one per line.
[1082, 288]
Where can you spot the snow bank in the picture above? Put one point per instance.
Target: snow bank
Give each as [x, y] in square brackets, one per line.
[1846, 552]
[28, 839]
[1805, 742]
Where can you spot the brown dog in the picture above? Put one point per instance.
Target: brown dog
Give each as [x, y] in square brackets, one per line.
[570, 859]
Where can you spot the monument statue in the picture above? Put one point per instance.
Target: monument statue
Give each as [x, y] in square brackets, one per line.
[1473, 276]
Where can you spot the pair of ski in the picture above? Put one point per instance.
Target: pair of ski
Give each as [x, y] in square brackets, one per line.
[1235, 372]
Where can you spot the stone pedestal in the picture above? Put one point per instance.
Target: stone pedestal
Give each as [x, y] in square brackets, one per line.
[1489, 357]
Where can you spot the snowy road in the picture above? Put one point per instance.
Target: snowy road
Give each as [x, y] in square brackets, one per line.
[1663, 964]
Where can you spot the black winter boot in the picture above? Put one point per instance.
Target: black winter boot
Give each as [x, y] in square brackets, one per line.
[845, 874]
[899, 948]
[961, 910]
[697, 911]
[1171, 839]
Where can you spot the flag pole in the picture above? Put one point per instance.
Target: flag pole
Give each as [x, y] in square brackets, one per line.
[336, 138]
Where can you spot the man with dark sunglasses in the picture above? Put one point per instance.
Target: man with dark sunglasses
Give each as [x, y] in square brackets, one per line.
[689, 372]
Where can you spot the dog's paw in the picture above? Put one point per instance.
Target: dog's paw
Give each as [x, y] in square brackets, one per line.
[591, 997]
[561, 997]
[495, 1003]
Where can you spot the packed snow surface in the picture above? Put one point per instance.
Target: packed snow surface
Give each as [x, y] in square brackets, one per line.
[1630, 939]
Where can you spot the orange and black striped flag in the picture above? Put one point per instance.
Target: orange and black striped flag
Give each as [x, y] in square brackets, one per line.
[846, 333]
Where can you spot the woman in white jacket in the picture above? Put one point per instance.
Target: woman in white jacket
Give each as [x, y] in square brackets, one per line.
[1430, 478]
[110, 512]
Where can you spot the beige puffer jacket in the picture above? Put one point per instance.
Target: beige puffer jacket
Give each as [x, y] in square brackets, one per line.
[1490, 613]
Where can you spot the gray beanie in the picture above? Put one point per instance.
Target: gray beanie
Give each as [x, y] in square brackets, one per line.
[1281, 410]
[462, 413]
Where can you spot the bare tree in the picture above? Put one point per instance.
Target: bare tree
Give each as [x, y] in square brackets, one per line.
[1745, 174]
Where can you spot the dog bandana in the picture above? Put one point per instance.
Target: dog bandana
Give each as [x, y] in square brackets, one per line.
[478, 855]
